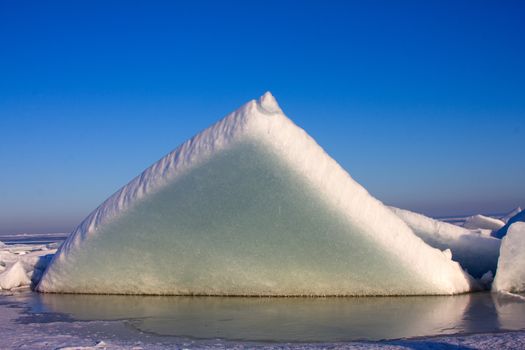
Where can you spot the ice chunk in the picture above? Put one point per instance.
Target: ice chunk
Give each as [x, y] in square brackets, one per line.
[520, 217]
[22, 263]
[14, 276]
[476, 252]
[510, 214]
[487, 279]
[250, 206]
[483, 222]
[510, 276]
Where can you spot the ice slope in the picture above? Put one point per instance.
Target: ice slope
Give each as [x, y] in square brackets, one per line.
[250, 206]
[483, 222]
[510, 276]
[519, 217]
[477, 253]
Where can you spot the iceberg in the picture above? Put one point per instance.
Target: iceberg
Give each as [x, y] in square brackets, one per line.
[519, 217]
[250, 206]
[483, 222]
[476, 252]
[510, 276]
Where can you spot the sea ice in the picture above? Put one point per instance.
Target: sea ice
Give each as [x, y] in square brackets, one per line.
[510, 214]
[21, 264]
[250, 206]
[14, 276]
[519, 217]
[510, 276]
[483, 222]
[475, 251]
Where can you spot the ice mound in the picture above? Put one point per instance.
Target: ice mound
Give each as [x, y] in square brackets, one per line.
[250, 206]
[510, 276]
[483, 222]
[519, 217]
[476, 252]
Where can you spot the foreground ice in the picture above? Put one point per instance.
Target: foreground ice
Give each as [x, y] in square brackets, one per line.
[475, 251]
[250, 206]
[510, 276]
[20, 331]
[23, 264]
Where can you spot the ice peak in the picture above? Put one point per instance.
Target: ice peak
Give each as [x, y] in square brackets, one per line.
[268, 103]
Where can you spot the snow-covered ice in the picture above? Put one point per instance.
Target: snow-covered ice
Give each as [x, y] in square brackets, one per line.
[14, 276]
[476, 252]
[23, 264]
[250, 206]
[510, 276]
[483, 222]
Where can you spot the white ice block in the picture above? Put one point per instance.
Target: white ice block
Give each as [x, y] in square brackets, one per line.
[510, 276]
[250, 206]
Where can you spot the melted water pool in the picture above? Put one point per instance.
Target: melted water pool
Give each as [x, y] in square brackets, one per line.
[294, 319]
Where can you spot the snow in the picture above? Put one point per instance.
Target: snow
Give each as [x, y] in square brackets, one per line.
[475, 251]
[519, 217]
[250, 206]
[483, 222]
[510, 276]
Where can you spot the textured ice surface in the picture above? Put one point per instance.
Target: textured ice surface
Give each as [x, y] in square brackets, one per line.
[476, 252]
[250, 206]
[519, 217]
[483, 222]
[510, 276]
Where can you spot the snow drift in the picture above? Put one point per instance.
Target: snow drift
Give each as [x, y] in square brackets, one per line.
[250, 206]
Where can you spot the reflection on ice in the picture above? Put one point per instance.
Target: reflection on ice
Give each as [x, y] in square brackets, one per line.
[290, 319]
[510, 309]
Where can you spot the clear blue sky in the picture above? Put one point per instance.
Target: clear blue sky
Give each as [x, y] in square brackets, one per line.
[423, 102]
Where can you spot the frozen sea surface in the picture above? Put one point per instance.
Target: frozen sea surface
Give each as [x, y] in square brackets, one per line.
[474, 321]
[28, 238]
[289, 319]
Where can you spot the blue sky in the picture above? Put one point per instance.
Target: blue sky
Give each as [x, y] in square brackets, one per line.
[423, 102]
